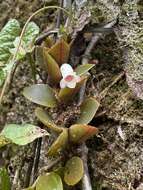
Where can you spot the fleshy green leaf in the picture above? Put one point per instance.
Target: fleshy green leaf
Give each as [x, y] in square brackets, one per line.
[67, 94]
[60, 51]
[46, 119]
[88, 110]
[50, 181]
[74, 171]
[52, 67]
[59, 144]
[4, 180]
[41, 94]
[79, 133]
[7, 36]
[22, 134]
[83, 69]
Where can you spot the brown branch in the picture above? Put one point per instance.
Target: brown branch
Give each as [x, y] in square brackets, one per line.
[105, 91]
[86, 182]
[30, 166]
[51, 165]
[61, 2]
[36, 160]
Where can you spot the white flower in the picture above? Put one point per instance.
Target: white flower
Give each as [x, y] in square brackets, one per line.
[70, 78]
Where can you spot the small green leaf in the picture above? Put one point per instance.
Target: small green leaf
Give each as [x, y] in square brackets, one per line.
[88, 110]
[59, 144]
[30, 34]
[46, 119]
[52, 68]
[60, 51]
[79, 133]
[50, 181]
[7, 36]
[4, 180]
[22, 134]
[67, 94]
[41, 94]
[74, 171]
[83, 69]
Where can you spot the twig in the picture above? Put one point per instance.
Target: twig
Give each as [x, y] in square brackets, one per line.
[61, 2]
[40, 39]
[105, 91]
[16, 177]
[86, 182]
[29, 170]
[94, 40]
[36, 160]
[51, 165]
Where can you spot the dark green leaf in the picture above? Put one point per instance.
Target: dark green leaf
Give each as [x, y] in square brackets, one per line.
[22, 134]
[52, 68]
[41, 94]
[60, 51]
[73, 171]
[88, 110]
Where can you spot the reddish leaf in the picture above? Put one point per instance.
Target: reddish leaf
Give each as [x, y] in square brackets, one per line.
[79, 133]
[52, 67]
[74, 171]
[60, 51]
